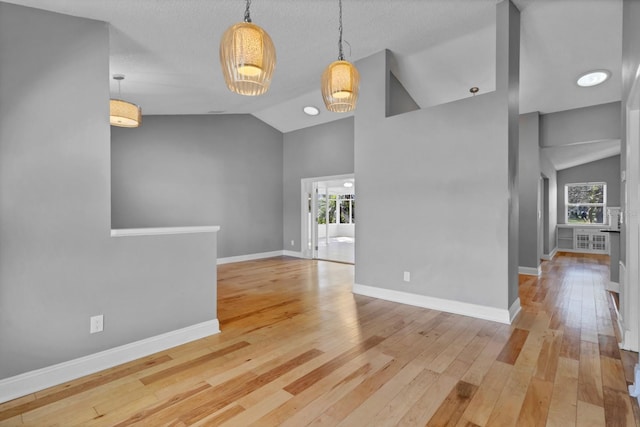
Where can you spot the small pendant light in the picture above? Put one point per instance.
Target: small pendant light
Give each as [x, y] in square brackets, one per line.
[248, 57]
[340, 80]
[122, 113]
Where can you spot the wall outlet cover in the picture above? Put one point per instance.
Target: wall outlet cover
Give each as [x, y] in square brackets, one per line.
[96, 324]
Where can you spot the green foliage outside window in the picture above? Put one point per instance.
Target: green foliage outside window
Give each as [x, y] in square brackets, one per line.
[585, 203]
[336, 202]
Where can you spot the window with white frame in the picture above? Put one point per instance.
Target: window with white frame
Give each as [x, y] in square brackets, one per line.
[585, 202]
[341, 209]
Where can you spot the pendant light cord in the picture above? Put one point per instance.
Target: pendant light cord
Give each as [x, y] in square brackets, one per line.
[247, 16]
[341, 53]
[119, 78]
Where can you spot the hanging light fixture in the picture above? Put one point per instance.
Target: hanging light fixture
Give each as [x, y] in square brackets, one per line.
[248, 57]
[122, 113]
[340, 80]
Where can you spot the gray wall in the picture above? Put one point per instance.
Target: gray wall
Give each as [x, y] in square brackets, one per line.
[605, 170]
[434, 190]
[400, 101]
[529, 178]
[322, 150]
[192, 170]
[58, 263]
[595, 123]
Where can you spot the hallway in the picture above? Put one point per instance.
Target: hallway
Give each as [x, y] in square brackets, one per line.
[579, 363]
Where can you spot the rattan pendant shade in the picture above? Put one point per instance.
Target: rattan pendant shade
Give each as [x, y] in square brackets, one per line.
[340, 83]
[248, 58]
[124, 114]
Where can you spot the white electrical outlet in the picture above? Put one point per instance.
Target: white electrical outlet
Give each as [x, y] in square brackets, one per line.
[292, 243]
[96, 324]
[407, 276]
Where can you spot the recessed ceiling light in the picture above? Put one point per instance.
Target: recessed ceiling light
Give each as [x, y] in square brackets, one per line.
[593, 78]
[310, 110]
[348, 184]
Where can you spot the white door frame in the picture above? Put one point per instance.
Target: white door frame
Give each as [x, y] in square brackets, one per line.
[539, 222]
[629, 295]
[308, 187]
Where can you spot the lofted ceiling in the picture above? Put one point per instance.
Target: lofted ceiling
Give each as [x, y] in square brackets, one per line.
[168, 50]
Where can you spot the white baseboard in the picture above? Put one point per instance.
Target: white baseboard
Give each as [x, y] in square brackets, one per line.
[249, 257]
[634, 389]
[629, 341]
[549, 257]
[612, 286]
[262, 255]
[450, 306]
[620, 329]
[514, 310]
[30, 382]
[294, 254]
[530, 271]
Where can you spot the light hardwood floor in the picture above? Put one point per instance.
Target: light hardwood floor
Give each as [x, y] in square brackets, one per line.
[297, 349]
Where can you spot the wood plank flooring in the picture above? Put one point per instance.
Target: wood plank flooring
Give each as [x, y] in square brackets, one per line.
[298, 349]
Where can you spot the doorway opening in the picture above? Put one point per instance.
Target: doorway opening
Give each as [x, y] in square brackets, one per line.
[328, 218]
[546, 228]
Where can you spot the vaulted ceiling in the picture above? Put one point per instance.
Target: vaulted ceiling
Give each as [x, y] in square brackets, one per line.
[168, 50]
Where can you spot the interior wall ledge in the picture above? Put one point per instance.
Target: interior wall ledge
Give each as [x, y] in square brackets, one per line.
[155, 231]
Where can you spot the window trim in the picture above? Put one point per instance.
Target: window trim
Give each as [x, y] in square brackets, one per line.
[603, 204]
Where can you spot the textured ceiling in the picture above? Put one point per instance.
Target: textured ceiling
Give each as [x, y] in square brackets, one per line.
[168, 50]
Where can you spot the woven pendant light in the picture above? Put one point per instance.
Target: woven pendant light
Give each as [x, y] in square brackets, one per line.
[122, 113]
[340, 81]
[248, 57]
